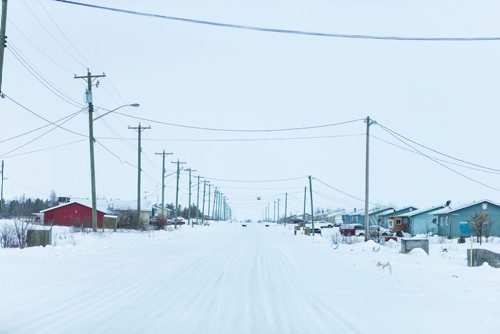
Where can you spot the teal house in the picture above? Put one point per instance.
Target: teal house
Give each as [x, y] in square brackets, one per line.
[416, 222]
[454, 222]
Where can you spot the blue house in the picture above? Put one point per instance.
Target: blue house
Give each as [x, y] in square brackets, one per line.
[453, 222]
[358, 217]
[416, 221]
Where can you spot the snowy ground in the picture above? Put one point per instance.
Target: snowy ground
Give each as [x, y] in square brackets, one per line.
[225, 278]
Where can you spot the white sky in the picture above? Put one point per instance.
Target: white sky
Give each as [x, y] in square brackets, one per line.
[441, 94]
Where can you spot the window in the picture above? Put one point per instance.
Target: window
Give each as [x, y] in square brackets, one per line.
[398, 221]
[390, 222]
[485, 206]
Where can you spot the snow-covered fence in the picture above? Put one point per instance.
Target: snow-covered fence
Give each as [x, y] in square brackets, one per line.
[480, 256]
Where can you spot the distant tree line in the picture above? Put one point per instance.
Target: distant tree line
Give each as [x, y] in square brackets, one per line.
[25, 207]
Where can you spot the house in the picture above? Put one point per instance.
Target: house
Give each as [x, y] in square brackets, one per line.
[416, 221]
[120, 208]
[386, 220]
[358, 216]
[71, 214]
[450, 220]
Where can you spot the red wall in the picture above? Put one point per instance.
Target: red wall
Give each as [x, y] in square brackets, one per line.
[71, 215]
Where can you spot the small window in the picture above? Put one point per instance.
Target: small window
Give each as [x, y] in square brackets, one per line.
[390, 222]
[485, 206]
[398, 221]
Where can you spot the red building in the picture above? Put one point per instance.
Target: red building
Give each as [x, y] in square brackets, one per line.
[71, 214]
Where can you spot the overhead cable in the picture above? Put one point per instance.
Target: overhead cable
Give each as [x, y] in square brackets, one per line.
[240, 130]
[289, 31]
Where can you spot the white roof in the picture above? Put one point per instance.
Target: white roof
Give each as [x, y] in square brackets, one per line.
[448, 209]
[73, 202]
[421, 211]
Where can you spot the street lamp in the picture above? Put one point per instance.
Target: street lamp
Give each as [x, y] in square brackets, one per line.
[135, 105]
[92, 164]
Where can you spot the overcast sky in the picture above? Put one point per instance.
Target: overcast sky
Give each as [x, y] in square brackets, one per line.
[441, 94]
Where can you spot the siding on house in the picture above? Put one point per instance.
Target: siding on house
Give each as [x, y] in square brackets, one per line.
[449, 220]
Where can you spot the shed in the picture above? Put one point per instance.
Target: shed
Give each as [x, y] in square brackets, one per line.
[71, 214]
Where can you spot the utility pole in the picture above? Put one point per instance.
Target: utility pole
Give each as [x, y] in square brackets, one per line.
[189, 200]
[367, 174]
[177, 191]
[213, 206]
[305, 199]
[219, 206]
[312, 207]
[1, 194]
[208, 211]
[163, 154]
[286, 202]
[274, 212]
[278, 211]
[203, 205]
[3, 38]
[88, 94]
[139, 130]
[197, 200]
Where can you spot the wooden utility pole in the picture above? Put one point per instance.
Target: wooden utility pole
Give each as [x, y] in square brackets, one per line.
[208, 210]
[139, 130]
[3, 38]
[163, 154]
[367, 174]
[197, 200]
[286, 202]
[189, 199]
[278, 216]
[305, 199]
[177, 191]
[1, 194]
[88, 94]
[213, 206]
[203, 205]
[312, 206]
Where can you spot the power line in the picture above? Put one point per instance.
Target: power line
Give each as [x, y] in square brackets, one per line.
[239, 130]
[39, 128]
[45, 119]
[44, 149]
[114, 154]
[38, 48]
[36, 138]
[440, 163]
[64, 35]
[40, 78]
[258, 181]
[243, 139]
[286, 31]
[433, 150]
[51, 36]
[442, 160]
[339, 191]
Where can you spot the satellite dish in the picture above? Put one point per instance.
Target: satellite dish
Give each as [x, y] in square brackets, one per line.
[447, 204]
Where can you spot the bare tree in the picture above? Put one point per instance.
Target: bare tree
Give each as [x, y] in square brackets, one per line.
[7, 236]
[479, 222]
[21, 227]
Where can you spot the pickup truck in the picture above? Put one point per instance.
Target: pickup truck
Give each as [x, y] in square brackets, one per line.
[352, 229]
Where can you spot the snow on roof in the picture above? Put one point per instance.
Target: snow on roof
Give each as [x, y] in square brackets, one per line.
[449, 210]
[421, 211]
[73, 202]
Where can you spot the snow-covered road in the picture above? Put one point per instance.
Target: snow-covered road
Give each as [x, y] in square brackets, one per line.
[229, 279]
[226, 279]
